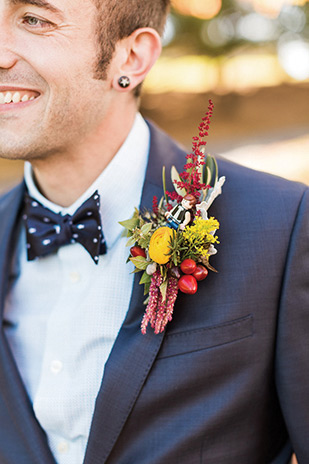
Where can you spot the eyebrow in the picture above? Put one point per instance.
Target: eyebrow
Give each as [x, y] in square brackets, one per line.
[38, 3]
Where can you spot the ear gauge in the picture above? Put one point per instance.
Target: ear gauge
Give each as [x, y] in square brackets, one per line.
[124, 82]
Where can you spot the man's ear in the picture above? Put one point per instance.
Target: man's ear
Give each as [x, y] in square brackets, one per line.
[134, 57]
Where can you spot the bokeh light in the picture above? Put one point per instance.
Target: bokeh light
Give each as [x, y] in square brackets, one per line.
[292, 18]
[218, 32]
[272, 8]
[293, 54]
[169, 31]
[199, 8]
[257, 28]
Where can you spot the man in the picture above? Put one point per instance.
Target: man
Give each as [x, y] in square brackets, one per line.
[228, 380]
[180, 215]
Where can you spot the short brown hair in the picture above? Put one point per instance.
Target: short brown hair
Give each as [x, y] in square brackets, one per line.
[191, 199]
[119, 19]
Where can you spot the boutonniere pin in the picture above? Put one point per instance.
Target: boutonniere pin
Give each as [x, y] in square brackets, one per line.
[172, 243]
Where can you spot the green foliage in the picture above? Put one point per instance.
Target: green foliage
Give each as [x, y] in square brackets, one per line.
[140, 262]
[176, 178]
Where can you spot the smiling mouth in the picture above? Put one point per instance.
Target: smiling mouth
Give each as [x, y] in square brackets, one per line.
[10, 97]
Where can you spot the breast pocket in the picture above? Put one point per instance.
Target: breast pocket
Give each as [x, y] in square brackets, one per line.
[206, 337]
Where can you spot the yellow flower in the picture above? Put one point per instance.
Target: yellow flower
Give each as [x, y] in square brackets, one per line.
[200, 235]
[159, 249]
[201, 231]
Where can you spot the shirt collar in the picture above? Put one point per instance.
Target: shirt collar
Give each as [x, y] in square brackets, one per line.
[119, 185]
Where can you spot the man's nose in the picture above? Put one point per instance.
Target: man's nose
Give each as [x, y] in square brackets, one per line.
[8, 56]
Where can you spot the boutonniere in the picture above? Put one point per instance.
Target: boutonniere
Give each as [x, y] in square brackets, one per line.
[172, 243]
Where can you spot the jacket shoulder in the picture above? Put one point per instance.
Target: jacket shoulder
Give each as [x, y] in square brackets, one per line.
[260, 190]
[12, 197]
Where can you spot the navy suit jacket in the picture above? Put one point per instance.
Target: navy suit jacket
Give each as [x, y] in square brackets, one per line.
[228, 381]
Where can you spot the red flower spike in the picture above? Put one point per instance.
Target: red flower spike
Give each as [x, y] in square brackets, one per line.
[191, 177]
[155, 205]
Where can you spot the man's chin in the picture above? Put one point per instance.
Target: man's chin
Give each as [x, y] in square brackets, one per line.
[22, 153]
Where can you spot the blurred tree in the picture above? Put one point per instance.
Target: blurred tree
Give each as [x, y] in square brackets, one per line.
[217, 27]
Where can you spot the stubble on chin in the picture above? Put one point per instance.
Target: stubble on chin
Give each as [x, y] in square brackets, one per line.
[25, 150]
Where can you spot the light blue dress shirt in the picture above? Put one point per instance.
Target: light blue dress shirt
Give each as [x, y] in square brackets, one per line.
[63, 312]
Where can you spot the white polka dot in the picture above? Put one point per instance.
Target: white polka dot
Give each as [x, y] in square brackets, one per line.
[89, 213]
[28, 246]
[25, 217]
[98, 204]
[46, 241]
[96, 258]
[95, 240]
[96, 197]
[56, 366]
[80, 226]
[46, 219]
[74, 277]
[75, 235]
[63, 447]
[99, 227]
[35, 204]
[57, 229]
[32, 230]
[73, 241]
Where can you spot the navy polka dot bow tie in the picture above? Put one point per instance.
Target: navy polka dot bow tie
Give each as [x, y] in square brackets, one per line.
[48, 231]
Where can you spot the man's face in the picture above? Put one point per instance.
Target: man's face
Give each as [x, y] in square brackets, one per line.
[186, 204]
[48, 52]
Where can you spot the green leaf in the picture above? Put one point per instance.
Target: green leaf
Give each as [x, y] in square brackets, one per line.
[164, 184]
[176, 178]
[145, 279]
[215, 170]
[139, 262]
[209, 170]
[146, 228]
[136, 271]
[130, 224]
[207, 175]
[131, 242]
[163, 289]
[146, 289]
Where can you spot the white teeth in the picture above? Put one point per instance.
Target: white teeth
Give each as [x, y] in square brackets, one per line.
[16, 97]
[8, 97]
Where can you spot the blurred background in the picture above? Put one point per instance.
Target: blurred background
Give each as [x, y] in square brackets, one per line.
[251, 57]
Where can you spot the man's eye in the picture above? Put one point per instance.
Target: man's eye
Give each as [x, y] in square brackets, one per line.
[37, 23]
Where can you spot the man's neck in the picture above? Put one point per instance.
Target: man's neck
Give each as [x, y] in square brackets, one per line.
[62, 178]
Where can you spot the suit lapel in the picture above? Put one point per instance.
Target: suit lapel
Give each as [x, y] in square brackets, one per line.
[133, 354]
[22, 432]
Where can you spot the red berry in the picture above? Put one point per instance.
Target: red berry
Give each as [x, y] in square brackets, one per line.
[137, 251]
[200, 272]
[187, 284]
[188, 266]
